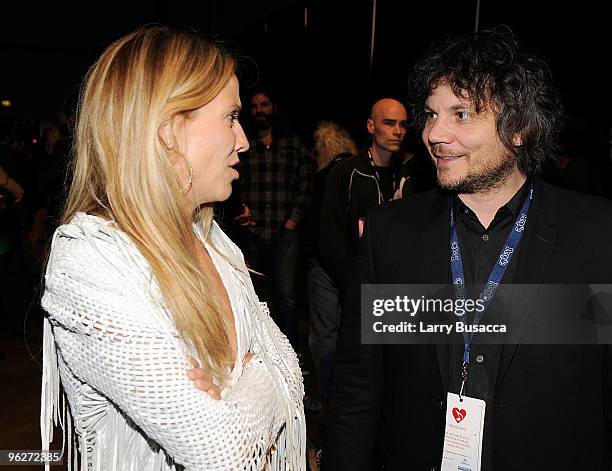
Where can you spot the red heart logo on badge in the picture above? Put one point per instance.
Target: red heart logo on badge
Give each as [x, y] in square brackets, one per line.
[459, 414]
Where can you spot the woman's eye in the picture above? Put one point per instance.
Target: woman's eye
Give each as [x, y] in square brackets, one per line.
[463, 115]
[233, 117]
[430, 115]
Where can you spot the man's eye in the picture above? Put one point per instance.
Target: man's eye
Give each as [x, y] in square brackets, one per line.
[463, 115]
[430, 115]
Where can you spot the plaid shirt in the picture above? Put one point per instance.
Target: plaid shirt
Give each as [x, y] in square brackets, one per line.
[275, 183]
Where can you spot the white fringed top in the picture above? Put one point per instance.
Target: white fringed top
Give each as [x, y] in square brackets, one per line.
[112, 340]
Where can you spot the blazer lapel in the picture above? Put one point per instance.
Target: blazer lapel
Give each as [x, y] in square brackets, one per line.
[436, 250]
[536, 249]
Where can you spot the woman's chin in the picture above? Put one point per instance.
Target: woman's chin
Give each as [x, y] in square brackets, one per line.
[223, 196]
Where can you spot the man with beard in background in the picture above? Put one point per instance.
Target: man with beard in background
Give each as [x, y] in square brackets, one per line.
[275, 182]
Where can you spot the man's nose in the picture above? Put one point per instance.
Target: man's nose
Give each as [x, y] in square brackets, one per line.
[437, 131]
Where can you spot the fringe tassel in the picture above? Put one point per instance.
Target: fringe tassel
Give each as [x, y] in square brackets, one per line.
[70, 443]
[50, 391]
[290, 454]
[290, 450]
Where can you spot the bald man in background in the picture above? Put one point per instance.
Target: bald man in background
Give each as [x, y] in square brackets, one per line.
[358, 183]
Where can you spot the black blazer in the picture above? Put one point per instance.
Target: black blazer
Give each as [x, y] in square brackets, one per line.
[552, 404]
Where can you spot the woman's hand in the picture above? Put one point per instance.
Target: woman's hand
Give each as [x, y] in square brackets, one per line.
[203, 380]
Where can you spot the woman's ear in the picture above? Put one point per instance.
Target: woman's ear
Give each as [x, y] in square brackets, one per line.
[517, 140]
[166, 134]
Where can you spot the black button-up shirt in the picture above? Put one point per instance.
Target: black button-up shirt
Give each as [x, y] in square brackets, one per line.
[480, 249]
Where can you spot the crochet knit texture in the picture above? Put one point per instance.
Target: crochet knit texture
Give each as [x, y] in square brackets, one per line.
[111, 339]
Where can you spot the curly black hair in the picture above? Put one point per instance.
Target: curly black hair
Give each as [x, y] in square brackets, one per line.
[493, 70]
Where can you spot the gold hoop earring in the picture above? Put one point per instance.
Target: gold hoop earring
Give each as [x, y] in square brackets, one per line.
[187, 187]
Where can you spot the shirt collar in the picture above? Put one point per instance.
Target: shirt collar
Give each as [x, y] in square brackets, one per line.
[513, 206]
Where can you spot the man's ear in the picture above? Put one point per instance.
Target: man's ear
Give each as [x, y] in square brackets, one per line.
[370, 125]
[166, 134]
[517, 140]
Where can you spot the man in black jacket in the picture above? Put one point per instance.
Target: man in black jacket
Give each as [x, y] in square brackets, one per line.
[489, 117]
[357, 184]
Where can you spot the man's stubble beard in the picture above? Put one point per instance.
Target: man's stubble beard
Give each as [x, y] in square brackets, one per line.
[488, 178]
[263, 124]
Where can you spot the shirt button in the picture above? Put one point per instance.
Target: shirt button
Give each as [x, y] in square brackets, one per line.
[466, 211]
[479, 358]
[485, 237]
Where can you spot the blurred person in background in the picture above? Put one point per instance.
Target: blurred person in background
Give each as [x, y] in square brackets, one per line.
[332, 144]
[359, 183]
[275, 190]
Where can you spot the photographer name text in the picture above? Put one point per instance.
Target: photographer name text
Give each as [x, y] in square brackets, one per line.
[459, 327]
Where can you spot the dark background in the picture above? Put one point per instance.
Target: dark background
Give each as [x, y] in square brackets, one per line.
[321, 70]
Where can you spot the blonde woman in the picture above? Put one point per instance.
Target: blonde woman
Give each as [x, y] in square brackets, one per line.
[330, 141]
[141, 281]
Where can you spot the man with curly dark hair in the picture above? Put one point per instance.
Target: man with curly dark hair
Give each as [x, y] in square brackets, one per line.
[489, 117]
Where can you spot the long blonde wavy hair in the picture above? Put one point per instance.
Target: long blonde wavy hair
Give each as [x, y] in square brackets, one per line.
[331, 140]
[121, 169]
